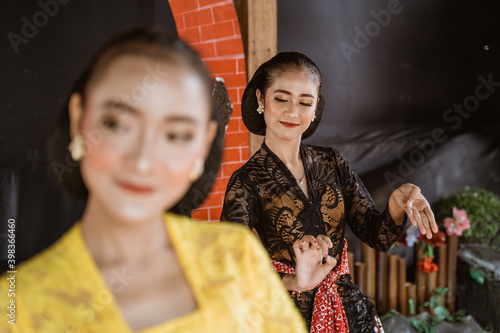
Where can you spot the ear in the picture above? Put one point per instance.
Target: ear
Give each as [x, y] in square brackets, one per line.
[75, 109]
[260, 97]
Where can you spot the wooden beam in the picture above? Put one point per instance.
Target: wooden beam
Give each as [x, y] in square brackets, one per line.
[259, 31]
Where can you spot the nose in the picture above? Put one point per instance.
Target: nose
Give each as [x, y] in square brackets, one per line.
[141, 157]
[291, 110]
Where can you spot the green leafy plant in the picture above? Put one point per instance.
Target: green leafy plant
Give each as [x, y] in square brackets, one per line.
[436, 306]
[483, 210]
[438, 311]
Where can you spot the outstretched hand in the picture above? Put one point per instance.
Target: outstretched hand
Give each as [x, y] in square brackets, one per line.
[309, 267]
[409, 199]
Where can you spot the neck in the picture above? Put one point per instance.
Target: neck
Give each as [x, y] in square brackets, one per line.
[288, 151]
[112, 241]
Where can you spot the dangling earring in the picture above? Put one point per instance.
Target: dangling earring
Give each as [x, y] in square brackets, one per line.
[198, 169]
[76, 148]
[313, 117]
[260, 109]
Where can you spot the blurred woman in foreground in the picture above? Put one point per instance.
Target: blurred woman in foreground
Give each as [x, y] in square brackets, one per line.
[143, 133]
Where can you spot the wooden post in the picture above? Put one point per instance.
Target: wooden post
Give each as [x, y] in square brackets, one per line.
[382, 294]
[411, 291]
[360, 273]
[442, 264]
[420, 279]
[402, 290]
[369, 260]
[451, 271]
[431, 283]
[259, 31]
[350, 258]
[393, 282]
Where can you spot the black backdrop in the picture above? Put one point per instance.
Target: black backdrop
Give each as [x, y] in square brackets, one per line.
[384, 98]
[390, 96]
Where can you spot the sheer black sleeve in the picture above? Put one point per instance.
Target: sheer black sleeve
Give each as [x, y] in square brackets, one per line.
[239, 202]
[372, 227]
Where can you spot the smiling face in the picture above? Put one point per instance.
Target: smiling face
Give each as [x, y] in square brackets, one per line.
[289, 104]
[152, 122]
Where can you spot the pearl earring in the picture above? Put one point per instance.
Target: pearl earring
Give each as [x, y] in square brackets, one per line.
[260, 109]
[76, 148]
[198, 169]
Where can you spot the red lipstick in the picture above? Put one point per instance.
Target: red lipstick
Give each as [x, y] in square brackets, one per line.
[289, 125]
[136, 188]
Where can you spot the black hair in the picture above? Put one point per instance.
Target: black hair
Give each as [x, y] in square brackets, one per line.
[264, 78]
[153, 43]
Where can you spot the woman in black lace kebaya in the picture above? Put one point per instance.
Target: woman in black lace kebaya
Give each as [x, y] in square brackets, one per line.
[298, 198]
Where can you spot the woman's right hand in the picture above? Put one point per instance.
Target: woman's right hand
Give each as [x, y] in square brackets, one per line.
[309, 267]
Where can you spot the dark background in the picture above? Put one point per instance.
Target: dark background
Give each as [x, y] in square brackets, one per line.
[396, 90]
[392, 94]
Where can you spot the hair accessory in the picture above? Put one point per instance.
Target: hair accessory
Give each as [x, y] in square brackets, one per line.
[198, 169]
[76, 148]
[260, 109]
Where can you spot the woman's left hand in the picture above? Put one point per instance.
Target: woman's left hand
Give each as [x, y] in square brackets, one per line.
[408, 199]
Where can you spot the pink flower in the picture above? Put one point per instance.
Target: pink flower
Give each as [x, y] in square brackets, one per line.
[457, 224]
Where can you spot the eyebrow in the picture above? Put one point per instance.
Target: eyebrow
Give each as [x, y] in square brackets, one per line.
[121, 106]
[289, 93]
[126, 108]
[182, 119]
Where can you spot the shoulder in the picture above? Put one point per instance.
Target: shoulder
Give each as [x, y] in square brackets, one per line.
[220, 250]
[248, 173]
[203, 236]
[233, 272]
[55, 258]
[188, 226]
[49, 283]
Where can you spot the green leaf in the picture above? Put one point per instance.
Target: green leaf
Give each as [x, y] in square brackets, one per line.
[417, 324]
[440, 314]
[412, 307]
[435, 301]
[441, 291]
[390, 314]
[477, 275]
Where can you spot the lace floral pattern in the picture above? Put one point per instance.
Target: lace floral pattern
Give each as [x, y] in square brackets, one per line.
[264, 195]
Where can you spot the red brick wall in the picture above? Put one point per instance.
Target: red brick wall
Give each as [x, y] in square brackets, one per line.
[212, 28]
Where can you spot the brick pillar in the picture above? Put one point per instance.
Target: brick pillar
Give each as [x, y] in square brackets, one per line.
[211, 27]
